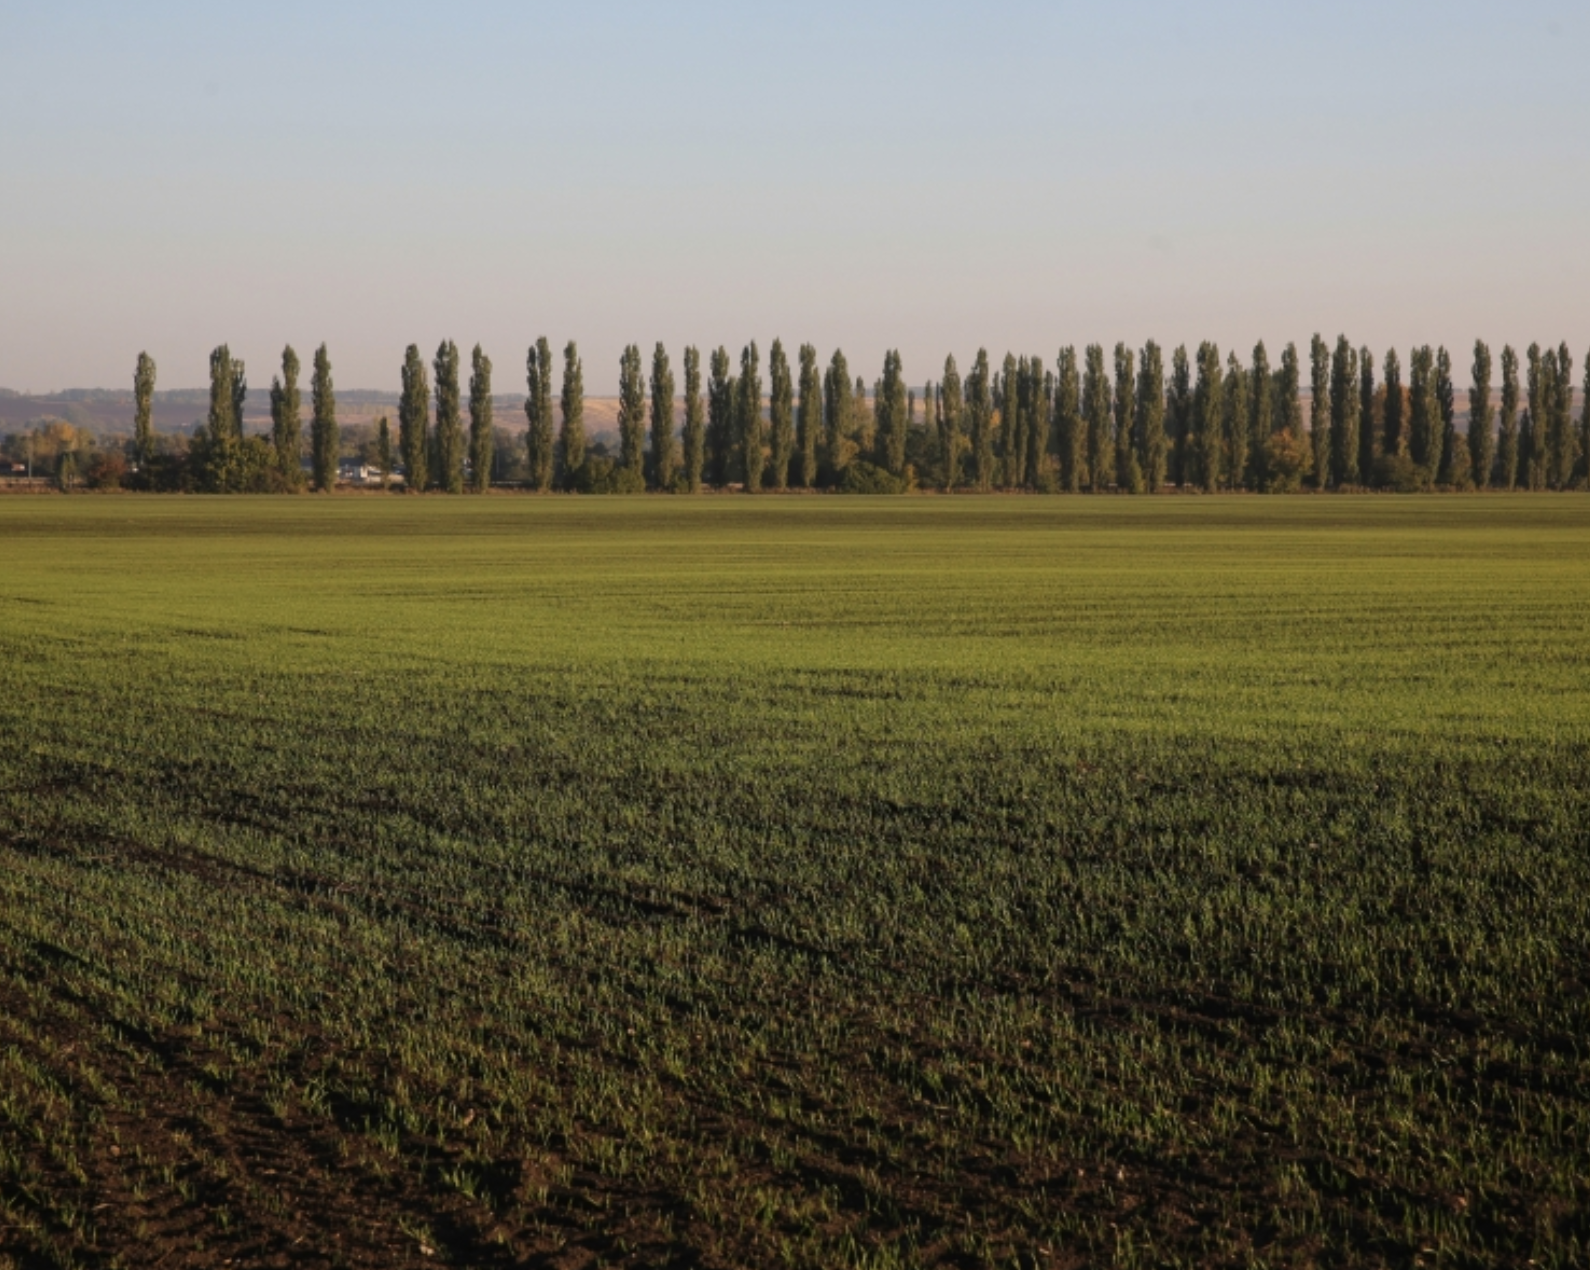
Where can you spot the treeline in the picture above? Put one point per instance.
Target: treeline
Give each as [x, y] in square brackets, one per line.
[1128, 424]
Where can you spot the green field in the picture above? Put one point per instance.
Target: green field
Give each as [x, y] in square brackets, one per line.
[801, 881]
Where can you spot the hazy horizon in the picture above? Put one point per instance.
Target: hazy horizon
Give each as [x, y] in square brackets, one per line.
[933, 178]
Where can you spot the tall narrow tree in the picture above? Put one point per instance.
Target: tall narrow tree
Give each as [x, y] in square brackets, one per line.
[1448, 470]
[239, 397]
[1424, 411]
[223, 421]
[980, 421]
[1128, 469]
[663, 463]
[1097, 412]
[808, 420]
[1010, 443]
[1369, 426]
[482, 439]
[571, 438]
[632, 413]
[1396, 422]
[1290, 393]
[1040, 419]
[143, 410]
[1261, 416]
[447, 457]
[414, 422]
[1179, 415]
[950, 409]
[1319, 415]
[1345, 418]
[780, 415]
[1070, 430]
[748, 417]
[891, 414]
[1150, 425]
[1237, 443]
[695, 421]
[720, 419]
[1565, 443]
[383, 450]
[837, 415]
[1531, 448]
[1208, 418]
[1506, 475]
[1584, 424]
[1482, 417]
[286, 420]
[539, 433]
[323, 440]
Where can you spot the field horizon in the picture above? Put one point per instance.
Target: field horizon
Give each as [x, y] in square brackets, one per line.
[869, 881]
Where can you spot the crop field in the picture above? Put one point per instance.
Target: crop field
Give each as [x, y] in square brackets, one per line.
[795, 882]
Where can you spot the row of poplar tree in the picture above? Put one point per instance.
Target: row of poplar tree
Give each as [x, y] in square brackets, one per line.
[1080, 425]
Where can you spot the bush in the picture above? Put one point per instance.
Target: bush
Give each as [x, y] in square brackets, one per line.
[862, 477]
[1286, 458]
[601, 475]
[1400, 473]
[106, 470]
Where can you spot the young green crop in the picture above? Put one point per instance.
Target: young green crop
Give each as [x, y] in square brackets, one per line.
[735, 882]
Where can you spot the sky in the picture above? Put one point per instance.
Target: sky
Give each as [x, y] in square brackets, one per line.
[932, 177]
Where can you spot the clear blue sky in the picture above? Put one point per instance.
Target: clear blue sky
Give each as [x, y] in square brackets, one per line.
[930, 176]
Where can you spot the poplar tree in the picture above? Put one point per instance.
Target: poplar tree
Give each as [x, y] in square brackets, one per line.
[571, 439]
[1150, 425]
[1531, 460]
[1344, 415]
[662, 419]
[143, 410]
[1011, 443]
[1179, 411]
[286, 415]
[1507, 423]
[695, 421]
[1319, 418]
[1368, 425]
[748, 416]
[837, 414]
[1424, 410]
[780, 414]
[1096, 415]
[541, 451]
[323, 442]
[1234, 455]
[1584, 423]
[1290, 392]
[1070, 431]
[1396, 440]
[1208, 417]
[1261, 416]
[892, 419]
[223, 403]
[632, 412]
[1128, 469]
[1040, 421]
[383, 450]
[808, 420]
[949, 423]
[720, 418]
[1563, 457]
[1482, 416]
[1446, 401]
[239, 398]
[414, 418]
[980, 421]
[447, 461]
[481, 438]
